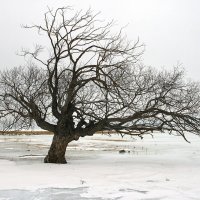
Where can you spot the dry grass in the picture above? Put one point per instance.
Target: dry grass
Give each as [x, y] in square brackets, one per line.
[27, 132]
[41, 132]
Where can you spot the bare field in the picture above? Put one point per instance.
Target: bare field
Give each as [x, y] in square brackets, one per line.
[40, 132]
[27, 132]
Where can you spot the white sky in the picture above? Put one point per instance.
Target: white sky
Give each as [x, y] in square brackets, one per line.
[170, 29]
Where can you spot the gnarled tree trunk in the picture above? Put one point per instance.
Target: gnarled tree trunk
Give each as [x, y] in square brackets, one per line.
[56, 153]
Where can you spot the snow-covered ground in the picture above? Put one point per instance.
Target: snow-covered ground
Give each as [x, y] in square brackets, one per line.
[160, 168]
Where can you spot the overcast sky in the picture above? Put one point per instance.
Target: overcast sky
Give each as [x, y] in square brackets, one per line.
[170, 29]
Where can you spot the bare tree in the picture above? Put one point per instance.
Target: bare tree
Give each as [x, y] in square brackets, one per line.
[92, 81]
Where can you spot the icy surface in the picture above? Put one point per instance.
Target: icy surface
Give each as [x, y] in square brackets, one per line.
[160, 168]
[47, 193]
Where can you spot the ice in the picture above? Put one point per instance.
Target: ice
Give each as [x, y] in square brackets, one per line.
[47, 193]
[161, 168]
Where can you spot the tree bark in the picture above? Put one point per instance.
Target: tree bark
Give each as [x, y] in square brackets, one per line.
[56, 153]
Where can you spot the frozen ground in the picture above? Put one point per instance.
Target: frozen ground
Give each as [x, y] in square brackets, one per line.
[159, 168]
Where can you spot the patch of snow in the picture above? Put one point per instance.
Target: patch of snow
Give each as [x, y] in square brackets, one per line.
[159, 168]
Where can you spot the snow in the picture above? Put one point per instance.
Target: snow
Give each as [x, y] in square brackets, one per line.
[161, 168]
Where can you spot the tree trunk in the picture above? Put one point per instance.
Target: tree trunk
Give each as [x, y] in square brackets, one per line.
[56, 153]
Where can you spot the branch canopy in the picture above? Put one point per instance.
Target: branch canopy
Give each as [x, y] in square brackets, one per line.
[93, 81]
